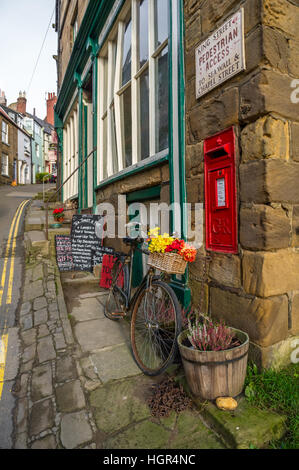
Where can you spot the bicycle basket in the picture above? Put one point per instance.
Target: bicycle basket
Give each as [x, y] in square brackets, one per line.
[171, 263]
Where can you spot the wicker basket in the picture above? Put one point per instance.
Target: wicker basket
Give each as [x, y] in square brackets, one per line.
[171, 263]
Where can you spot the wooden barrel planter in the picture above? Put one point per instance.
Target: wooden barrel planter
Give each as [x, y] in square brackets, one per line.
[213, 374]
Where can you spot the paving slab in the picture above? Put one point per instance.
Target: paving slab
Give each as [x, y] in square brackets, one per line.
[36, 236]
[145, 435]
[33, 290]
[115, 363]
[191, 433]
[21, 441]
[45, 349]
[75, 430]
[40, 317]
[22, 415]
[29, 353]
[26, 322]
[119, 404]
[98, 334]
[47, 442]
[89, 309]
[39, 303]
[43, 331]
[41, 386]
[38, 272]
[41, 417]
[59, 341]
[25, 309]
[65, 369]
[70, 397]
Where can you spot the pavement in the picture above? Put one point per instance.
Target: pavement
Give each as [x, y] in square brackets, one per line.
[12, 214]
[77, 385]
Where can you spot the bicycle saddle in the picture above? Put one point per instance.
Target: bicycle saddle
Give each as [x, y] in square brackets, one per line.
[133, 241]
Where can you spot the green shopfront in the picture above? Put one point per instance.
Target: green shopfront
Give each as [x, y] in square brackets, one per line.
[122, 103]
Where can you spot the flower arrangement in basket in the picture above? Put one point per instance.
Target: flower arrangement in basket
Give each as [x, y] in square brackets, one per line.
[168, 253]
[58, 214]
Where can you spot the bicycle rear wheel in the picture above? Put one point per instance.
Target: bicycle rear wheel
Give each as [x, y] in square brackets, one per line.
[155, 325]
[115, 305]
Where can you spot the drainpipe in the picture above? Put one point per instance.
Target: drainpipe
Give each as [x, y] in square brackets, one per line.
[177, 137]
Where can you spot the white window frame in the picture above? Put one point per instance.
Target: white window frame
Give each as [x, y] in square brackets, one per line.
[6, 165]
[111, 93]
[4, 132]
[71, 153]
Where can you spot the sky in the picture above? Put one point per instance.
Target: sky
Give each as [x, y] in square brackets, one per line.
[23, 25]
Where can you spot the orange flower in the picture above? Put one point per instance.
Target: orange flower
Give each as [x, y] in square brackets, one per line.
[189, 253]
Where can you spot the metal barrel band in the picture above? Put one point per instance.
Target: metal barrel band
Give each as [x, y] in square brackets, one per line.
[217, 363]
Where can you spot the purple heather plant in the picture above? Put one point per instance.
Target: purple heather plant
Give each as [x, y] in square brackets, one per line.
[209, 336]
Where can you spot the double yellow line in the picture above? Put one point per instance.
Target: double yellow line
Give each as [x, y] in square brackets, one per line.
[11, 246]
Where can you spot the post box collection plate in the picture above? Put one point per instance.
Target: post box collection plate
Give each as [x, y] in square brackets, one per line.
[220, 192]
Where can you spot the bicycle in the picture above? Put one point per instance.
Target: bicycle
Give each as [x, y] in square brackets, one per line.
[156, 313]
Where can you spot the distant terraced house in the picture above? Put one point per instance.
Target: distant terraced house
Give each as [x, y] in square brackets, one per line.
[15, 146]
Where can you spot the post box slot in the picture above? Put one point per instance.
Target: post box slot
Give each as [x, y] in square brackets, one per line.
[218, 152]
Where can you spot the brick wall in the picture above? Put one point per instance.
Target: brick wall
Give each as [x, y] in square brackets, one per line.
[256, 290]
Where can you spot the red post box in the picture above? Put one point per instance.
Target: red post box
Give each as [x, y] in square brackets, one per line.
[220, 192]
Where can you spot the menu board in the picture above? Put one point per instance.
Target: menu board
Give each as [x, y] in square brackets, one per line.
[85, 236]
[98, 253]
[64, 256]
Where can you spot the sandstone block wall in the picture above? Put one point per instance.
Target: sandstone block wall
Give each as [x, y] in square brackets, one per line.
[68, 12]
[258, 289]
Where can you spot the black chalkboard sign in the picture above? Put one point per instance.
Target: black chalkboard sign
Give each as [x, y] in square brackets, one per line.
[87, 238]
[98, 253]
[64, 257]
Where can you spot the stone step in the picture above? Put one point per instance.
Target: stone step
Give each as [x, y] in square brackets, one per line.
[37, 240]
[245, 427]
[76, 279]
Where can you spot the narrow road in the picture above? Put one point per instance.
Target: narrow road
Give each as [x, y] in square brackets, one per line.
[13, 203]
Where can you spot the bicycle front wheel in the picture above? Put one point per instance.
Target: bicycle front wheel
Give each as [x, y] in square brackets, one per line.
[155, 325]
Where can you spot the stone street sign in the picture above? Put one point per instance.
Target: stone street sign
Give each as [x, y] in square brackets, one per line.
[221, 55]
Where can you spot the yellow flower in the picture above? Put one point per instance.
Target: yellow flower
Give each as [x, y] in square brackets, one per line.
[159, 243]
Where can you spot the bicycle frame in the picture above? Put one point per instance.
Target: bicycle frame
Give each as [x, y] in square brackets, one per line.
[126, 292]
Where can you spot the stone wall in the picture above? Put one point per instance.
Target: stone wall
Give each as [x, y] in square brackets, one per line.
[68, 12]
[256, 290]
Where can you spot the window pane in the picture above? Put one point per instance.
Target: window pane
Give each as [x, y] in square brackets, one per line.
[105, 84]
[126, 65]
[114, 147]
[127, 116]
[104, 148]
[144, 114]
[143, 32]
[161, 12]
[162, 111]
